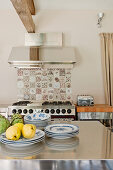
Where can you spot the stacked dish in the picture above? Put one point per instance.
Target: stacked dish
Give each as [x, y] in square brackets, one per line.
[22, 142]
[38, 119]
[61, 131]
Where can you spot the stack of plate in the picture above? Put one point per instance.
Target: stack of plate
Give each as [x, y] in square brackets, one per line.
[38, 119]
[61, 131]
[65, 144]
[22, 142]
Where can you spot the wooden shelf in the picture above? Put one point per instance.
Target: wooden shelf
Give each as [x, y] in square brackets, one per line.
[95, 108]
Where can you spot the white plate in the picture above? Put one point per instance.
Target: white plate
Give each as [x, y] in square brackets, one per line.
[62, 136]
[39, 134]
[36, 117]
[23, 144]
[61, 128]
[35, 141]
[71, 135]
[37, 121]
[40, 123]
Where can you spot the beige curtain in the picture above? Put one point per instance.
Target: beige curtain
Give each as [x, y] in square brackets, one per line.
[107, 65]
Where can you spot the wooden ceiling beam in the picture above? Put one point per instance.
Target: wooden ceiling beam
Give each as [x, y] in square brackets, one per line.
[24, 13]
[31, 6]
[34, 53]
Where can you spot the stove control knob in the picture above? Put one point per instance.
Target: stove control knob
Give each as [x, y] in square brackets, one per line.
[58, 111]
[69, 111]
[47, 111]
[63, 111]
[25, 111]
[52, 111]
[14, 111]
[30, 111]
[19, 111]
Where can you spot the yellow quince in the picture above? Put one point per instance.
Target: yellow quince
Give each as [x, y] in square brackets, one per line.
[28, 131]
[19, 125]
[13, 133]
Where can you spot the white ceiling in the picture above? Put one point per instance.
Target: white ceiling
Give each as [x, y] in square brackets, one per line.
[65, 4]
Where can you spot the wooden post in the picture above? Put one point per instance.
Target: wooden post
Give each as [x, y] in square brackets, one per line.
[24, 13]
[34, 53]
[31, 6]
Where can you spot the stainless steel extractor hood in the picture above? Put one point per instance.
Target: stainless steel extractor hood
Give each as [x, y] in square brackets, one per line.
[35, 56]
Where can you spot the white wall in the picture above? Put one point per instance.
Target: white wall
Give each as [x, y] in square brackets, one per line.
[74, 4]
[80, 31]
[11, 34]
[65, 4]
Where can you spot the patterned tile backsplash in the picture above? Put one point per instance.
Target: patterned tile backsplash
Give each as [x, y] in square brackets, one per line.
[52, 84]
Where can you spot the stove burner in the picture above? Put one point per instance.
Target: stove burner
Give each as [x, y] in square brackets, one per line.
[21, 103]
[60, 102]
[57, 103]
[68, 103]
[54, 103]
[46, 103]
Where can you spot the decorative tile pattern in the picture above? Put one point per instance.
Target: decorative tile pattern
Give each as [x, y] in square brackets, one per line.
[44, 84]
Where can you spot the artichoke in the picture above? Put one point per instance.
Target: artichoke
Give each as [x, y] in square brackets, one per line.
[16, 118]
[4, 124]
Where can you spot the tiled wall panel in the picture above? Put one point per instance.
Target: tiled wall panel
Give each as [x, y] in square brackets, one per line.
[44, 84]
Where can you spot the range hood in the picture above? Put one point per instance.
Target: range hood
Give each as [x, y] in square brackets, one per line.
[35, 56]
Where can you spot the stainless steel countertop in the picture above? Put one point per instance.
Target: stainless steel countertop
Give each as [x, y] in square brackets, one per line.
[92, 142]
[56, 164]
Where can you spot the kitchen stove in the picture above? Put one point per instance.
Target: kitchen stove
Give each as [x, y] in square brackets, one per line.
[21, 103]
[62, 110]
[57, 103]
